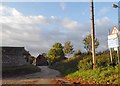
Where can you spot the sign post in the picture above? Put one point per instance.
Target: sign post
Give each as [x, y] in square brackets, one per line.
[111, 55]
[118, 54]
[114, 42]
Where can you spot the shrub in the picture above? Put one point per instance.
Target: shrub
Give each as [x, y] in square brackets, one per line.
[77, 53]
[85, 64]
[103, 60]
[67, 66]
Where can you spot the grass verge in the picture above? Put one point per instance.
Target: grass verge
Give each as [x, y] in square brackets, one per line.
[79, 69]
[108, 75]
[67, 66]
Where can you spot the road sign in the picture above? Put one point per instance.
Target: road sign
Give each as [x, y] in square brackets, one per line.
[113, 41]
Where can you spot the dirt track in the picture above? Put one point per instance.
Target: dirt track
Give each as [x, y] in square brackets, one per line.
[45, 76]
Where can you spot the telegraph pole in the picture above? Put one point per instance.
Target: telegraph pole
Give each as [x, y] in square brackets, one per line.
[93, 34]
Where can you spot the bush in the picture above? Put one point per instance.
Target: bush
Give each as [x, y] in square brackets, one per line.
[67, 66]
[104, 73]
[103, 60]
[85, 64]
[78, 53]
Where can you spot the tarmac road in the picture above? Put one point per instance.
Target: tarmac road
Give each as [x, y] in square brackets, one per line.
[45, 76]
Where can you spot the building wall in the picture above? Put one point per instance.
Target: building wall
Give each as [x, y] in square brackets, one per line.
[13, 56]
[41, 61]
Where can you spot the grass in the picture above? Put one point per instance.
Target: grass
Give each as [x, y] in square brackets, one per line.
[67, 66]
[78, 68]
[19, 70]
[108, 75]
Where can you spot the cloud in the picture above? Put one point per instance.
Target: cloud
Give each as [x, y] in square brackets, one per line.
[70, 24]
[104, 10]
[38, 33]
[7, 11]
[85, 11]
[63, 5]
[102, 28]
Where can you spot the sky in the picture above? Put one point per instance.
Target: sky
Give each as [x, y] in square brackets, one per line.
[38, 25]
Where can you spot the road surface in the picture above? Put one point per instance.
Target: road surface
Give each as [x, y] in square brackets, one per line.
[45, 76]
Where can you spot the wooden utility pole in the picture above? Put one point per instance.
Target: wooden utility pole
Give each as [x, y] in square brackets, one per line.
[93, 33]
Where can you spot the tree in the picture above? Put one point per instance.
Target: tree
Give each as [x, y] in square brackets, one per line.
[55, 53]
[88, 43]
[44, 54]
[77, 53]
[68, 48]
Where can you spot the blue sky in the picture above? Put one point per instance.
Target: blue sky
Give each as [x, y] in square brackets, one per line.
[79, 11]
[38, 25]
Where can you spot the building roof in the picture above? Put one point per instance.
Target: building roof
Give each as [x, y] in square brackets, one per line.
[41, 56]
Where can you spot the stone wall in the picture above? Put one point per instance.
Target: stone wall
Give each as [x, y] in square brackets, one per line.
[13, 56]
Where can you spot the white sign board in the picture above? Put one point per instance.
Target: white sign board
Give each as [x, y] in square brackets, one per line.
[113, 41]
